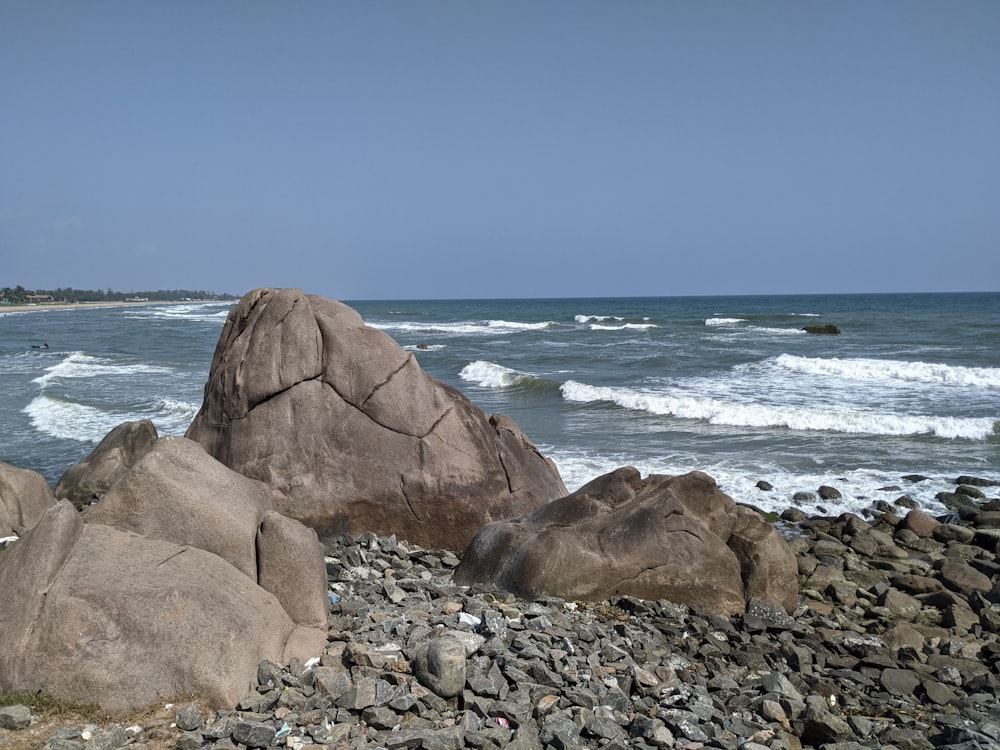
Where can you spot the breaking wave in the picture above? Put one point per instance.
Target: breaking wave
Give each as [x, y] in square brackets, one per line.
[70, 420]
[80, 365]
[724, 321]
[892, 370]
[736, 414]
[465, 327]
[491, 375]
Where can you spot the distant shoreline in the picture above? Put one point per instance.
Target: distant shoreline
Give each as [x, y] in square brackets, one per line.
[47, 306]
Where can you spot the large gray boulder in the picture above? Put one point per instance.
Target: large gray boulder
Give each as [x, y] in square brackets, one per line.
[25, 497]
[88, 480]
[676, 538]
[179, 581]
[96, 614]
[178, 493]
[352, 434]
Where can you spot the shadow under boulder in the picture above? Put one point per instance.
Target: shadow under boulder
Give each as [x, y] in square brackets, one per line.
[677, 538]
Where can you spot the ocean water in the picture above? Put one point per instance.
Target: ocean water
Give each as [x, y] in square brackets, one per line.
[727, 385]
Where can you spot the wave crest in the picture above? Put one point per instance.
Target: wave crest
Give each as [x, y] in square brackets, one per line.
[491, 375]
[736, 414]
[80, 365]
[892, 370]
[69, 420]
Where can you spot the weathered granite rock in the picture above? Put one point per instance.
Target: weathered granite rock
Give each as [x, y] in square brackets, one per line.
[180, 494]
[25, 497]
[352, 434]
[659, 538]
[88, 480]
[179, 580]
[107, 616]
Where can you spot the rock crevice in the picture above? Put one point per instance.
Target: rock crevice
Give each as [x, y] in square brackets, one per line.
[333, 456]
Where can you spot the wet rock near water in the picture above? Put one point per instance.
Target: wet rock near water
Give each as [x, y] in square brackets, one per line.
[894, 643]
[823, 329]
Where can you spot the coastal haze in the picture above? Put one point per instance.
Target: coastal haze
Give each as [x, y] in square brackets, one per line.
[470, 150]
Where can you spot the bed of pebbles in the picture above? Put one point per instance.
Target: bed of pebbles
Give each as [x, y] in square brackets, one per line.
[895, 644]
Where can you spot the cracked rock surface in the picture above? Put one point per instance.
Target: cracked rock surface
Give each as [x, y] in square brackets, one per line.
[352, 434]
[678, 538]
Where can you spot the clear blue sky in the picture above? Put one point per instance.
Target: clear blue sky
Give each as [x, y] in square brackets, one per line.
[501, 149]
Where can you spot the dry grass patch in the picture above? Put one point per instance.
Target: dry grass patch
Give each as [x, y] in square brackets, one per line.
[50, 713]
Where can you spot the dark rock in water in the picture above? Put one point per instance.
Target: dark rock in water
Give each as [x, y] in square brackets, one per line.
[765, 486]
[976, 481]
[914, 478]
[825, 328]
[25, 497]
[793, 515]
[829, 493]
[804, 497]
[88, 480]
[659, 538]
[970, 491]
[956, 500]
[352, 435]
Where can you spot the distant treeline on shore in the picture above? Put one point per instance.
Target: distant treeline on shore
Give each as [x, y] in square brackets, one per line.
[18, 295]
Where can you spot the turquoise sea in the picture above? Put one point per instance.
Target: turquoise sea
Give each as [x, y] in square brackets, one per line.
[728, 385]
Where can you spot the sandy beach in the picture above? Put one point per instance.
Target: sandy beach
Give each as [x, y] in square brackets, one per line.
[47, 306]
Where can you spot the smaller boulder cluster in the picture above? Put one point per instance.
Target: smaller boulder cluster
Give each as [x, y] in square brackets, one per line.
[180, 580]
[664, 537]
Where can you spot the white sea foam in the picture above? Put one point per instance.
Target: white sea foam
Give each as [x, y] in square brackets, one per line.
[892, 370]
[173, 417]
[597, 318]
[204, 312]
[735, 325]
[623, 327]
[463, 328]
[80, 365]
[779, 331]
[737, 414]
[860, 488]
[724, 321]
[508, 325]
[491, 375]
[69, 420]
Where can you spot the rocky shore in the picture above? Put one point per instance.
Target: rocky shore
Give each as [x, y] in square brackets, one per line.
[895, 644]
